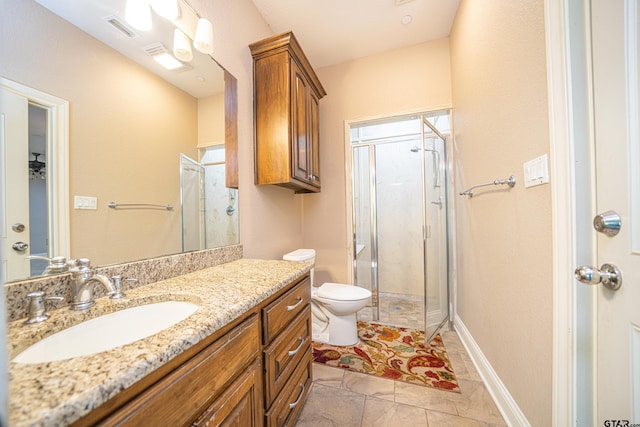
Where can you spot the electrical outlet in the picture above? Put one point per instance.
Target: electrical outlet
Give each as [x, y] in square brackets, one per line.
[85, 202]
[536, 171]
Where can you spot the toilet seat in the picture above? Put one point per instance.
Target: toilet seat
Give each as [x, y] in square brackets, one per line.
[342, 292]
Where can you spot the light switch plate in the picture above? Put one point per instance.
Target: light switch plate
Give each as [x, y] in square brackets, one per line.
[85, 202]
[536, 171]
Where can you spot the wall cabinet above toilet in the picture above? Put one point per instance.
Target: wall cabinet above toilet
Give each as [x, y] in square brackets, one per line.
[287, 126]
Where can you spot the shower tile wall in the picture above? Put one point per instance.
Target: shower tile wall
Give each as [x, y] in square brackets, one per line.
[399, 205]
[220, 227]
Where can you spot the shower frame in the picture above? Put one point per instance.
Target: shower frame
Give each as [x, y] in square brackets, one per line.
[446, 168]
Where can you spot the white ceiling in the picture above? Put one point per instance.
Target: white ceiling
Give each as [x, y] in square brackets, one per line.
[336, 31]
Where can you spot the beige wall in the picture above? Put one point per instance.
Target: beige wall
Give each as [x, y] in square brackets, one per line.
[211, 120]
[408, 79]
[127, 128]
[504, 238]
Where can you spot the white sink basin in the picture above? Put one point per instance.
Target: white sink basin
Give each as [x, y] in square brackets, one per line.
[107, 332]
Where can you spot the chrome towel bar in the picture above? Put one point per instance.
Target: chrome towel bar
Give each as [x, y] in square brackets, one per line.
[114, 205]
[511, 182]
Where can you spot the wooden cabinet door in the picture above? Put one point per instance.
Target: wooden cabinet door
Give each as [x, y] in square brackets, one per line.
[314, 139]
[239, 405]
[300, 131]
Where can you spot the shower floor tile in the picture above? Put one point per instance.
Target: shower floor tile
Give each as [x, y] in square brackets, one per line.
[401, 310]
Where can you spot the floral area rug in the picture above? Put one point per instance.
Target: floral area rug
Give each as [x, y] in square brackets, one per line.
[395, 353]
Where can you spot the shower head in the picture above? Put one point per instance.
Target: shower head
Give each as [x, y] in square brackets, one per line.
[415, 149]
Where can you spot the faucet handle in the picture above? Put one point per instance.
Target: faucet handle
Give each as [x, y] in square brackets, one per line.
[117, 283]
[79, 265]
[37, 310]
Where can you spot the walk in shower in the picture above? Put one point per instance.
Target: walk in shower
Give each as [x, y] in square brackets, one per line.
[209, 209]
[400, 213]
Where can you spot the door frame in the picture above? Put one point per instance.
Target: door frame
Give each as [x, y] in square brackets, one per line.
[58, 157]
[570, 101]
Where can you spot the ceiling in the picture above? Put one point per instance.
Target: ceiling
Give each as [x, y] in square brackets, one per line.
[336, 31]
[330, 31]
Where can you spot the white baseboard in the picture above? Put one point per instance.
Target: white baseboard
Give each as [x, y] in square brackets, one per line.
[508, 407]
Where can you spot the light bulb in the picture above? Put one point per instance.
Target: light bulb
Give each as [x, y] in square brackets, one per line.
[203, 40]
[182, 46]
[138, 14]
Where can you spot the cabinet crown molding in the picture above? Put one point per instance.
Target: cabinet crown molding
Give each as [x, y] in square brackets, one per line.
[288, 41]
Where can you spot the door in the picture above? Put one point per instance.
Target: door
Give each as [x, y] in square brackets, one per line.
[300, 143]
[14, 146]
[617, 143]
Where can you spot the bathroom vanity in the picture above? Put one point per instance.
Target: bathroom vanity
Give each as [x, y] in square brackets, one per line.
[243, 357]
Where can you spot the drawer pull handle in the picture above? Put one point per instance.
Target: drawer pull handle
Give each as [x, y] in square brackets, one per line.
[294, 404]
[293, 352]
[293, 307]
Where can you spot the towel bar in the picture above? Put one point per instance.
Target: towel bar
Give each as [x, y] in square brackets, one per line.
[511, 182]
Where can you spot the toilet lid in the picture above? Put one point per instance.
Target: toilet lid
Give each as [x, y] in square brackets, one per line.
[339, 291]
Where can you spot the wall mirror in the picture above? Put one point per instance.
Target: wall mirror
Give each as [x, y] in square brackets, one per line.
[130, 123]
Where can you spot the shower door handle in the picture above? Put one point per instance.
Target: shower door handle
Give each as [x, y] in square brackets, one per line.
[436, 166]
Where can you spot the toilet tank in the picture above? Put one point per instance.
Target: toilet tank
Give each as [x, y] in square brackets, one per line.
[306, 255]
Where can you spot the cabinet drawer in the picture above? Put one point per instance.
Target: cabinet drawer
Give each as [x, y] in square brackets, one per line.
[285, 352]
[287, 406]
[279, 313]
[185, 393]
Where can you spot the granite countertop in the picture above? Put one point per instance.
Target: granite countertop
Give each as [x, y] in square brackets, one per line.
[60, 392]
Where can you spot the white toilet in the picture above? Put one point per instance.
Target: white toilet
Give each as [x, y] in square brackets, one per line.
[333, 306]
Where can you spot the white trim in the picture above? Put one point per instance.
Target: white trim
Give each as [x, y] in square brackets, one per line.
[58, 184]
[562, 374]
[507, 406]
[569, 91]
[633, 109]
[348, 163]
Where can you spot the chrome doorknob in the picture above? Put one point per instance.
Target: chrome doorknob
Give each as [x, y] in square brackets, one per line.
[608, 274]
[20, 246]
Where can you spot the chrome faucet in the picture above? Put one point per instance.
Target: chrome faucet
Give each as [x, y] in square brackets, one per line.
[83, 280]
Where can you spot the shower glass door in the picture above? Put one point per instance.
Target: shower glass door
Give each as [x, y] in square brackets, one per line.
[399, 221]
[192, 204]
[436, 231]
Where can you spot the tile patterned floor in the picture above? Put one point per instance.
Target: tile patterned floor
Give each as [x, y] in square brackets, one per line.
[348, 399]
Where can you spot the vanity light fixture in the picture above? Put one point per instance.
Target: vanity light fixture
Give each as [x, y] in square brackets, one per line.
[138, 14]
[203, 40]
[182, 46]
[168, 9]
